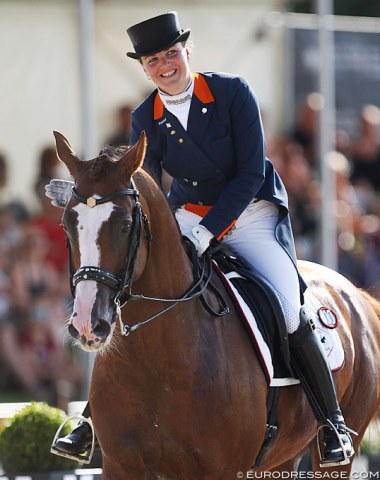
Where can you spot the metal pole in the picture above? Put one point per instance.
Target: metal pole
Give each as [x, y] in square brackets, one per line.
[88, 114]
[87, 76]
[329, 252]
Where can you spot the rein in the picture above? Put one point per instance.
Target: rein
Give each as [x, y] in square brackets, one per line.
[123, 285]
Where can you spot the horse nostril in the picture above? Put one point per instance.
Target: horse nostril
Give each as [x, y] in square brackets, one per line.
[73, 331]
[102, 328]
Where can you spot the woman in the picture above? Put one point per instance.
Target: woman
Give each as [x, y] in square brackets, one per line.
[205, 130]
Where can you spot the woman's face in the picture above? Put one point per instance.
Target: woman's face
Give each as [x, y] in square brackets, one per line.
[169, 69]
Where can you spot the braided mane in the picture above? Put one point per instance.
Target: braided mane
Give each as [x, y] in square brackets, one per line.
[106, 155]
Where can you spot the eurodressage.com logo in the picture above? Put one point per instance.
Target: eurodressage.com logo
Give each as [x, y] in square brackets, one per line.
[308, 475]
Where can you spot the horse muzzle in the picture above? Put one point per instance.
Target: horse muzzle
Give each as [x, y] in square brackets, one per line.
[92, 326]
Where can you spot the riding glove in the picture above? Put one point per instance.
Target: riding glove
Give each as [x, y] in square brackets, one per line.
[59, 191]
[201, 238]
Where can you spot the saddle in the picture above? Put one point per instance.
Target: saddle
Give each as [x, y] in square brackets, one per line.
[259, 297]
[262, 300]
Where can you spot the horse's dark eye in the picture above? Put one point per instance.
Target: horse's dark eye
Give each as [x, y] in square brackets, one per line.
[126, 226]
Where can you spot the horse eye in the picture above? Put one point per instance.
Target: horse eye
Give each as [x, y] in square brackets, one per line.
[126, 226]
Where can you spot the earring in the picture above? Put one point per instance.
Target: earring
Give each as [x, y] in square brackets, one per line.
[148, 77]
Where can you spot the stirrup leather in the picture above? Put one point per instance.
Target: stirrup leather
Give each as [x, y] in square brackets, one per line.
[85, 457]
[328, 463]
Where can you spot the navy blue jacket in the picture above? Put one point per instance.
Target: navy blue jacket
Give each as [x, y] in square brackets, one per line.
[220, 160]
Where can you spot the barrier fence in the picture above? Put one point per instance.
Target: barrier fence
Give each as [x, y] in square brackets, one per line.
[80, 474]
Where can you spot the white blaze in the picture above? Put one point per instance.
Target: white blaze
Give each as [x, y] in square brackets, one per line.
[90, 221]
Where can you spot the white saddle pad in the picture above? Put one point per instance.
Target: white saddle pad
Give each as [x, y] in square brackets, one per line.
[325, 321]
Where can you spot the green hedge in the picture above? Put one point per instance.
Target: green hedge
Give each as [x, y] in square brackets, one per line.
[26, 438]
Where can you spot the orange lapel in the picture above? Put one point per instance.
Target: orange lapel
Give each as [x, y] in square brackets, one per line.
[201, 90]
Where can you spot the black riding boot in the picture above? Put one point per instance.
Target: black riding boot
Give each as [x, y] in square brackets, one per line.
[79, 442]
[310, 364]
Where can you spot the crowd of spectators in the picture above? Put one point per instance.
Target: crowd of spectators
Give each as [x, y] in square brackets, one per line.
[355, 166]
[34, 285]
[35, 297]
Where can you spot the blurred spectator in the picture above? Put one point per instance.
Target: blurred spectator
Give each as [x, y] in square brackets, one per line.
[123, 127]
[14, 206]
[371, 251]
[48, 218]
[307, 126]
[48, 164]
[299, 177]
[10, 230]
[3, 171]
[365, 149]
[348, 214]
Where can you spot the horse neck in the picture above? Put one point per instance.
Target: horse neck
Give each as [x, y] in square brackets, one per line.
[167, 272]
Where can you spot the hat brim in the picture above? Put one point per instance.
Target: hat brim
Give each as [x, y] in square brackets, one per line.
[181, 38]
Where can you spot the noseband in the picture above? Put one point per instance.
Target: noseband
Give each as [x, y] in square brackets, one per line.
[122, 285]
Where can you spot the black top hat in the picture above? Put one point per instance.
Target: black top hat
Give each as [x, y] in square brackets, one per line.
[156, 34]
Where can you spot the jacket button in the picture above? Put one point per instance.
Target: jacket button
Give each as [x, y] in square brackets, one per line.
[172, 132]
[180, 140]
[195, 184]
[186, 180]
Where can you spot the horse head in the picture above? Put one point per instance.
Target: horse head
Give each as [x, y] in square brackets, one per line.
[103, 221]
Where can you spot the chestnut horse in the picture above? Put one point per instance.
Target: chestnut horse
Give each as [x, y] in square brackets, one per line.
[184, 397]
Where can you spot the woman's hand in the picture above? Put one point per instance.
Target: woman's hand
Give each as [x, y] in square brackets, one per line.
[59, 191]
[200, 237]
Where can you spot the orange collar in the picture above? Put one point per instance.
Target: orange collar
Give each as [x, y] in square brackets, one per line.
[201, 90]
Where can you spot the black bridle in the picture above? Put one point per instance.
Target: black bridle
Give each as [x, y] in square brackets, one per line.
[122, 285]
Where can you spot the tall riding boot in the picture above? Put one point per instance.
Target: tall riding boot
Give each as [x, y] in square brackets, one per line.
[310, 364]
[78, 443]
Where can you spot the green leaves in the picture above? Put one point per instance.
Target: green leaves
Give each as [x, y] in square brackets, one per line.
[26, 439]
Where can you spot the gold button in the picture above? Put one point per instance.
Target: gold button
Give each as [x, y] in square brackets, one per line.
[172, 132]
[180, 140]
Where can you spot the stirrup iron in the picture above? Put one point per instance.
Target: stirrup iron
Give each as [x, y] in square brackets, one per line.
[346, 459]
[85, 457]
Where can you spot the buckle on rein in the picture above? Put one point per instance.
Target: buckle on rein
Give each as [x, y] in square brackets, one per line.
[85, 457]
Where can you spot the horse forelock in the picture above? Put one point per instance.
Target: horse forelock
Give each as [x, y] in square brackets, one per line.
[108, 155]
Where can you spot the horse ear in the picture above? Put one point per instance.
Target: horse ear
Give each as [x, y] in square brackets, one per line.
[65, 152]
[134, 157]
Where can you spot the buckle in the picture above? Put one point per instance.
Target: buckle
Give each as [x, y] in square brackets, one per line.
[85, 457]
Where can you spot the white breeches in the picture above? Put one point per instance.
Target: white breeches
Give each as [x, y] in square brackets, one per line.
[254, 240]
